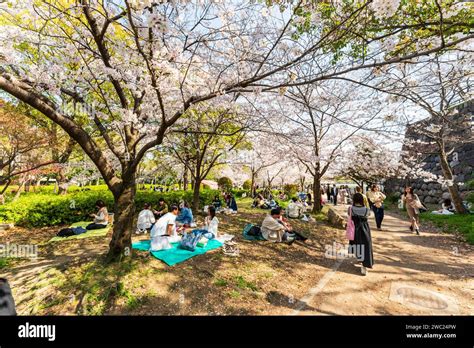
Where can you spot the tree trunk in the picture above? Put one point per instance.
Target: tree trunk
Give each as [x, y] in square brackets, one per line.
[124, 213]
[453, 190]
[316, 194]
[185, 179]
[5, 187]
[17, 195]
[252, 184]
[196, 190]
[62, 183]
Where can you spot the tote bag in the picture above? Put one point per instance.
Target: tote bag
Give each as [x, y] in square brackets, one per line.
[350, 227]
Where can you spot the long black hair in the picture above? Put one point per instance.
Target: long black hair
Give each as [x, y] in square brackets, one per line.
[212, 211]
[358, 199]
[410, 189]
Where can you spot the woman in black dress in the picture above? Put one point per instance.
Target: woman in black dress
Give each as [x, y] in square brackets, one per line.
[362, 243]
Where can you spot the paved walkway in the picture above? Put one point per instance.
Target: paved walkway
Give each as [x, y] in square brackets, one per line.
[431, 274]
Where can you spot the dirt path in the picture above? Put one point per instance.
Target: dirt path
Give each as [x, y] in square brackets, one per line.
[431, 274]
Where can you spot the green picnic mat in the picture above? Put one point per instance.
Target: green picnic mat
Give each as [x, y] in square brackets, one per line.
[94, 233]
[176, 255]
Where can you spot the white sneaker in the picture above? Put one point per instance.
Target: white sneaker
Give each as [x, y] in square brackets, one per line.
[363, 270]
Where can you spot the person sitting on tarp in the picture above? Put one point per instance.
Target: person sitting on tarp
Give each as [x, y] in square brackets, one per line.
[101, 219]
[211, 224]
[162, 209]
[185, 216]
[164, 227]
[146, 219]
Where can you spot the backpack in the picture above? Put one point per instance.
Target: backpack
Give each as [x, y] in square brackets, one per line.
[66, 232]
[252, 232]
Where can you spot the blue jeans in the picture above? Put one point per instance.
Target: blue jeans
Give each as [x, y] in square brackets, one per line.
[379, 214]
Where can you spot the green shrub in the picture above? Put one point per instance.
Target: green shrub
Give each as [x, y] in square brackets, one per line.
[238, 193]
[225, 183]
[37, 210]
[393, 198]
[290, 189]
[247, 185]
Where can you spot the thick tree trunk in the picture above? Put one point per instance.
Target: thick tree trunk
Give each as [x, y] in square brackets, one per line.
[196, 191]
[316, 194]
[124, 212]
[453, 190]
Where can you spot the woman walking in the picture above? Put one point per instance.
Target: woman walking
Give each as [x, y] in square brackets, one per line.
[413, 205]
[362, 243]
[376, 199]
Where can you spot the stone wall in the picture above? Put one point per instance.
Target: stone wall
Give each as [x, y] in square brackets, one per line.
[461, 162]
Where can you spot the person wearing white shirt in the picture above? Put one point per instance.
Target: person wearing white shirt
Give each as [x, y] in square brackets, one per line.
[146, 219]
[294, 209]
[211, 222]
[166, 225]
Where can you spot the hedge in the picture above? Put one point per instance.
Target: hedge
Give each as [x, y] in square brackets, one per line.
[49, 209]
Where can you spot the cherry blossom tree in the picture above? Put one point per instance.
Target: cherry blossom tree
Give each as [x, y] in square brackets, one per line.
[436, 87]
[324, 118]
[205, 140]
[136, 67]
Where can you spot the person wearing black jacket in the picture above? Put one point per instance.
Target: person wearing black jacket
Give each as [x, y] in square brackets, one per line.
[335, 192]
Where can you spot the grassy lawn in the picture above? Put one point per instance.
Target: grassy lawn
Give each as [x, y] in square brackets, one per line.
[261, 280]
[453, 223]
[463, 224]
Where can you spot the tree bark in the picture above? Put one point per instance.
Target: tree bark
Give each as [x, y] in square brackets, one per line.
[185, 178]
[453, 190]
[124, 212]
[316, 194]
[252, 184]
[196, 191]
[5, 187]
[62, 182]
[17, 195]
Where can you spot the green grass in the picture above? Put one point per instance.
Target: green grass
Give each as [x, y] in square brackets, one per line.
[453, 223]
[242, 283]
[234, 294]
[463, 224]
[220, 282]
[4, 263]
